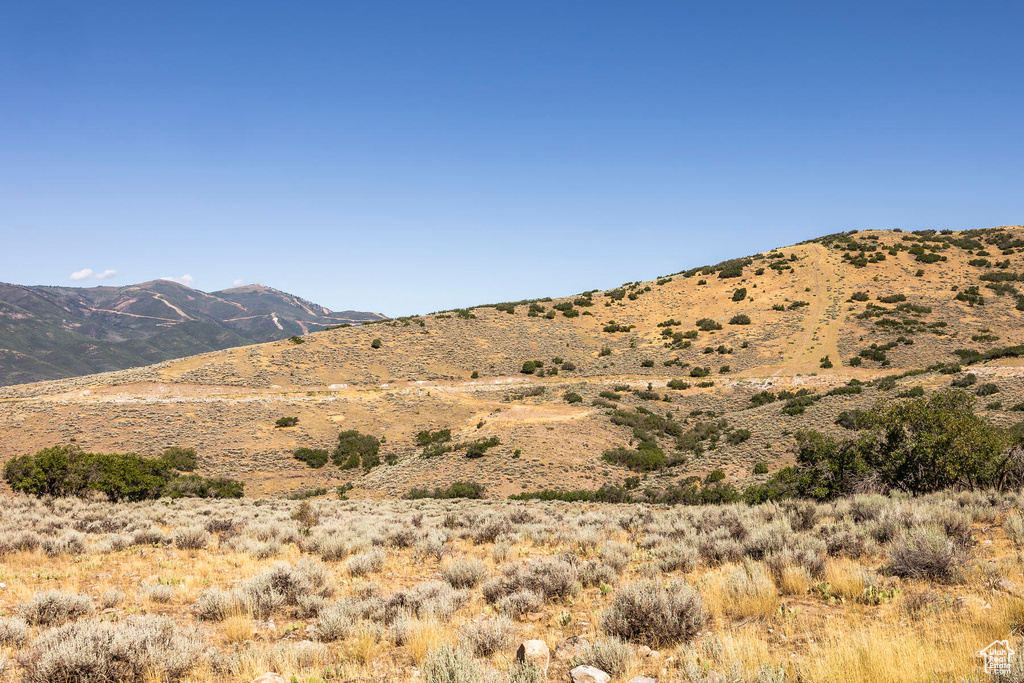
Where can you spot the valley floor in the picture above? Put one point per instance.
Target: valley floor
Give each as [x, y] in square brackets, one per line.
[864, 589]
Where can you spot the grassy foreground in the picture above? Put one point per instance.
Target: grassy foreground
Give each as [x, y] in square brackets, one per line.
[868, 588]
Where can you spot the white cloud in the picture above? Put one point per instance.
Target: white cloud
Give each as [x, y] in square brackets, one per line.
[185, 279]
[239, 282]
[90, 274]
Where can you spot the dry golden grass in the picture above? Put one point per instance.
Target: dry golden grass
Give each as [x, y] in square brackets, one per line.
[367, 644]
[795, 580]
[845, 578]
[741, 591]
[238, 628]
[422, 636]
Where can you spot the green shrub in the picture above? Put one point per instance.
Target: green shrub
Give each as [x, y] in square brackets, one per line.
[740, 294]
[698, 371]
[797, 405]
[65, 471]
[375, 344]
[825, 363]
[194, 486]
[647, 363]
[295, 339]
[354, 449]
[760, 468]
[859, 296]
[286, 422]
[530, 366]
[477, 449]
[714, 476]
[678, 384]
[459, 489]
[851, 419]
[737, 436]
[178, 458]
[647, 457]
[305, 495]
[740, 319]
[708, 325]
[427, 437]
[314, 457]
[986, 389]
[572, 397]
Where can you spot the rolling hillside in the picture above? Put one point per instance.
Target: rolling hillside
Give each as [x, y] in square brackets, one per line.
[56, 332]
[701, 359]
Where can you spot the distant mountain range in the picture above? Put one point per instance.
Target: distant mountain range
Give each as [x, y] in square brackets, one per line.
[56, 332]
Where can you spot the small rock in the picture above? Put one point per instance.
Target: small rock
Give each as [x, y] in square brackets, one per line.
[534, 616]
[641, 679]
[588, 674]
[1010, 587]
[536, 652]
[569, 648]
[643, 650]
[270, 678]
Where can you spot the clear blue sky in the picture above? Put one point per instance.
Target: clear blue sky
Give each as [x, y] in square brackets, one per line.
[410, 157]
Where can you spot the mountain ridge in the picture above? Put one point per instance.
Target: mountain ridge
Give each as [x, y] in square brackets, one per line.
[54, 332]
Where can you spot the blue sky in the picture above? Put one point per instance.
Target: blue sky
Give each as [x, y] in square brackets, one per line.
[411, 157]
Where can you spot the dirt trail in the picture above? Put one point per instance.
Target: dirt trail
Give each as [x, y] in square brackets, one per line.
[171, 306]
[803, 356]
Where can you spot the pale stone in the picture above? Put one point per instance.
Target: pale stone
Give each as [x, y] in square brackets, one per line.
[535, 652]
[270, 677]
[588, 674]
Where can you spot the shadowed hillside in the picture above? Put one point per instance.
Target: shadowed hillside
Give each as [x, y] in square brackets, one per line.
[55, 332]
